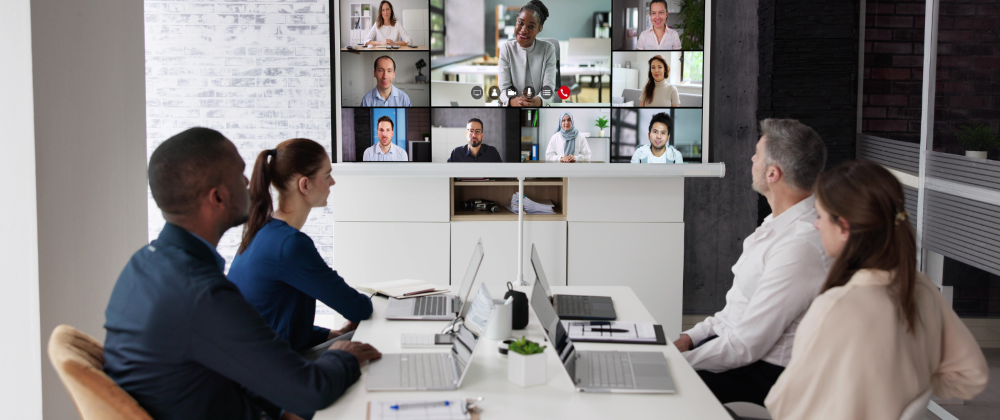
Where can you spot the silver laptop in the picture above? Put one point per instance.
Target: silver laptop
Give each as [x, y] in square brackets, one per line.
[433, 371]
[600, 308]
[438, 307]
[636, 372]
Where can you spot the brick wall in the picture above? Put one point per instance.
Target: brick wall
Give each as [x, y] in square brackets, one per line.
[259, 72]
[894, 51]
[808, 71]
[968, 70]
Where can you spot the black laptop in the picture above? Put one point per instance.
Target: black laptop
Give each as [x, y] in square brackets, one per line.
[598, 308]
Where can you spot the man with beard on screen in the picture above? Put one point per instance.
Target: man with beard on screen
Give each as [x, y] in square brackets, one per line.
[475, 151]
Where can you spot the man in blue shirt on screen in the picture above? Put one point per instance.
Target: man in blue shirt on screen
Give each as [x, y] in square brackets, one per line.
[181, 339]
[475, 151]
[384, 150]
[385, 94]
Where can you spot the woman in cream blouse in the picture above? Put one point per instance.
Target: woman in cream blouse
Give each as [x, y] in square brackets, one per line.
[567, 145]
[526, 61]
[881, 334]
[386, 30]
[658, 92]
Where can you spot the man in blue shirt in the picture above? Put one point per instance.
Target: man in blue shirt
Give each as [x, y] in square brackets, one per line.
[475, 151]
[385, 94]
[181, 339]
[384, 150]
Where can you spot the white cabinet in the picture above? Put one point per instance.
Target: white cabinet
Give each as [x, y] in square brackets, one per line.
[390, 199]
[366, 252]
[500, 252]
[648, 257]
[629, 200]
[419, 93]
[622, 78]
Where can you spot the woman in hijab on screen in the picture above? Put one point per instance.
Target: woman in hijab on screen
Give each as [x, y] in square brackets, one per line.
[568, 144]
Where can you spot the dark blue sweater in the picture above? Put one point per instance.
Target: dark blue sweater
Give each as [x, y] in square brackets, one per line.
[186, 345]
[282, 274]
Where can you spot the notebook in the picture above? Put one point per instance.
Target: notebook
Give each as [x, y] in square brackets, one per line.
[615, 332]
[401, 288]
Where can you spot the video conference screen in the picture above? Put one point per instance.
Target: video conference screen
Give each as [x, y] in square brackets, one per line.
[542, 81]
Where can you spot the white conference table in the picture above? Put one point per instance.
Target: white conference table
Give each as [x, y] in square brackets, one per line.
[557, 398]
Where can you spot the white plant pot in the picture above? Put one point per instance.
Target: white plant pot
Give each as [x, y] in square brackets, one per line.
[976, 154]
[526, 370]
[600, 133]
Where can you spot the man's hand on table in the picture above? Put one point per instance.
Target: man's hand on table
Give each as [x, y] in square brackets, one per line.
[683, 343]
[363, 352]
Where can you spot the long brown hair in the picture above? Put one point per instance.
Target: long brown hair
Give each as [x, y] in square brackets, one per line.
[392, 14]
[871, 200]
[650, 83]
[292, 158]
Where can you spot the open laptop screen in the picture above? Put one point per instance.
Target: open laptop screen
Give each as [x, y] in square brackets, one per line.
[536, 263]
[543, 308]
[470, 277]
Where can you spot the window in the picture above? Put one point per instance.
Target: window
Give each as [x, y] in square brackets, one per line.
[623, 134]
[692, 70]
[437, 27]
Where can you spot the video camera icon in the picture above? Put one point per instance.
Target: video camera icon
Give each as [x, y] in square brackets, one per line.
[511, 92]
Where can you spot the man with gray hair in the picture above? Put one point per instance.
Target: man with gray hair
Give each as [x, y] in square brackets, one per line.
[740, 351]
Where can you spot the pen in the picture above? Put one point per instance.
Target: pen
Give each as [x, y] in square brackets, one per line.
[608, 330]
[421, 404]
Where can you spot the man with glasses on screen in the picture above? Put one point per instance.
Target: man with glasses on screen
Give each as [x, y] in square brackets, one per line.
[385, 94]
[384, 150]
[475, 151]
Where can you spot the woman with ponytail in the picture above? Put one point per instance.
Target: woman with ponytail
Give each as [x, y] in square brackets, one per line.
[277, 268]
[881, 334]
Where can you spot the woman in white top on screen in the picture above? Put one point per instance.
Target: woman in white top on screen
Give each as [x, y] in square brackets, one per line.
[526, 61]
[659, 37]
[567, 145]
[880, 334]
[387, 30]
[658, 91]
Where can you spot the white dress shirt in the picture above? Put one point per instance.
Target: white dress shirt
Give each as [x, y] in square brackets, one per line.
[392, 32]
[670, 40]
[782, 269]
[557, 148]
[375, 154]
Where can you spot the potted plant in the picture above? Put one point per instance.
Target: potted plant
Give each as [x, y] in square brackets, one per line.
[692, 24]
[420, 73]
[977, 140]
[427, 136]
[526, 363]
[602, 123]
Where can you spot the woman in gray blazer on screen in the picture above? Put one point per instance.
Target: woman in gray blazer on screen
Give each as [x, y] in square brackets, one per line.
[526, 61]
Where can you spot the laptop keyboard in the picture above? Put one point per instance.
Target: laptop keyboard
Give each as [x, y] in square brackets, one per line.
[610, 370]
[425, 370]
[430, 305]
[573, 305]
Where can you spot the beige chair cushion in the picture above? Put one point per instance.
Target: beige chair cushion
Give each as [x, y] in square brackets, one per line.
[79, 360]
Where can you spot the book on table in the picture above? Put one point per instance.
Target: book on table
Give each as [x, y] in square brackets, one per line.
[401, 289]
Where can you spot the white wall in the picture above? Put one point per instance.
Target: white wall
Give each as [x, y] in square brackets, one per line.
[257, 72]
[21, 374]
[90, 163]
[585, 119]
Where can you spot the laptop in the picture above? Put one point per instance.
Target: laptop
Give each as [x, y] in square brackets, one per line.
[636, 372]
[438, 307]
[432, 371]
[599, 308]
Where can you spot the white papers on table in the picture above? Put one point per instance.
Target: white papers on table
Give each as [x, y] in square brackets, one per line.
[635, 331]
[382, 410]
[532, 206]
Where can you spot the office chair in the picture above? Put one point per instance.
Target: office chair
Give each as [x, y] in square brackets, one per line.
[79, 360]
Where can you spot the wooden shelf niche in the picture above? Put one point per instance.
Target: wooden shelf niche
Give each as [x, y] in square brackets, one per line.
[501, 191]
